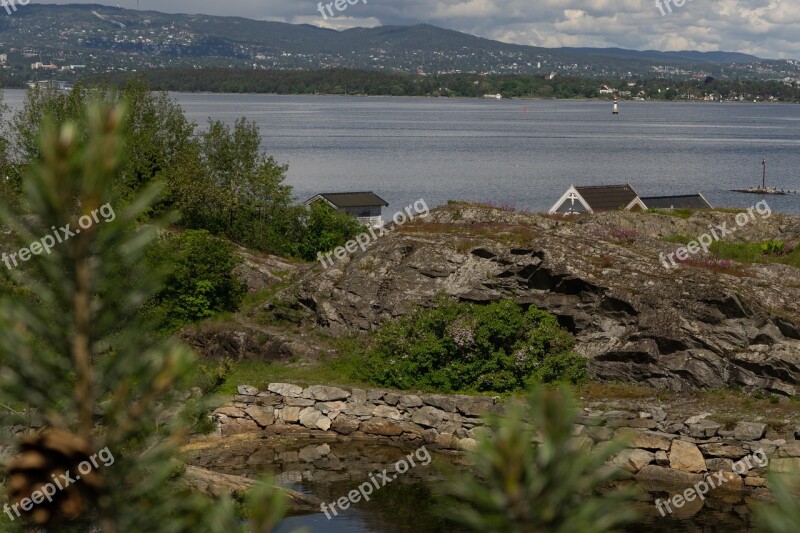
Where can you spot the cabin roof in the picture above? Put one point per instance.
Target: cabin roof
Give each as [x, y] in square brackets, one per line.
[607, 197]
[681, 201]
[350, 199]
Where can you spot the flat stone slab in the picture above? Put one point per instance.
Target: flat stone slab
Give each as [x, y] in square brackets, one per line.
[326, 394]
[667, 476]
[285, 389]
[750, 431]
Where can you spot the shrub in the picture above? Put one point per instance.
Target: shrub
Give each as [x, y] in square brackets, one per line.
[772, 248]
[201, 282]
[498, 347]
[325, 229]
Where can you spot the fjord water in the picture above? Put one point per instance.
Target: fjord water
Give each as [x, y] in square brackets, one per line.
[524, 153]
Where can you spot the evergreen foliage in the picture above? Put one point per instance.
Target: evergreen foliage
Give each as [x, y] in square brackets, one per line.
[76, 351]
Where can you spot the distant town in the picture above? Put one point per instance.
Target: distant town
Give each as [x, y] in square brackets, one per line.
[95, 41]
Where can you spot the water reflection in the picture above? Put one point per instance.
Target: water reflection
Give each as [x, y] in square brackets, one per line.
[330, 468]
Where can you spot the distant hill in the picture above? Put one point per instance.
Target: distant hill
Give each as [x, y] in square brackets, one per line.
[98, 39]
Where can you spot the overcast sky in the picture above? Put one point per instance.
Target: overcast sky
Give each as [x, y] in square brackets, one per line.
[767, 28]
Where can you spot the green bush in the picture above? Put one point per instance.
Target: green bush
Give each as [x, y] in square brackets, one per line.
[498, 347]
[772, 247]
[200, 283]
[325, 229]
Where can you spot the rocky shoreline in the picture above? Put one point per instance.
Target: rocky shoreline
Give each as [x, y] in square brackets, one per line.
[661, 449]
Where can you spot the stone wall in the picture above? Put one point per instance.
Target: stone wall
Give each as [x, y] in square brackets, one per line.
[661, 449]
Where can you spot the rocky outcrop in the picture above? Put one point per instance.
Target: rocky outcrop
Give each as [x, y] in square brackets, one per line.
[259, 271]
[216, 340]
[692, 327]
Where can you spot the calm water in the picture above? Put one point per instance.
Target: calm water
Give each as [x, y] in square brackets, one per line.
[331, 469]
[522, 153]
[516, 152]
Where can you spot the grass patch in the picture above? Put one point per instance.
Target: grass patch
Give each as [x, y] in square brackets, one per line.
[260, 374]
[675, 213]
[679, 238]
[758, 252]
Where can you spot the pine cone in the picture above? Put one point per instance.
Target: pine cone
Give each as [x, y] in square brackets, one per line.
[51, 463]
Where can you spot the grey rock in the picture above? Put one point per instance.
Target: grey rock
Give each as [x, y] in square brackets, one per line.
[309, 417]
[440, 401]
[358, 409]
[429, 417]
[791, 449]
[358, 395]
[298, 402]
[381, 426]
[232, 412]
[386, 411]
[372, 395]
[600, 433]
[663, 475]
[263, 416]
[244, 399]
[717, 464]
[285, 389]
[344, 424]
[696, 419]
[288, 414]
[703, 428]
[729, 450]
[633, 460]
[429, 435]
[410, 400]
[750, 430]
[391, 398]
[247, 390]
[473, 405]
[326, 394]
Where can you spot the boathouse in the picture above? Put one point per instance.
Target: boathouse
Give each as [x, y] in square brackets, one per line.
[598, 198]
[365, 206]
[684, 201]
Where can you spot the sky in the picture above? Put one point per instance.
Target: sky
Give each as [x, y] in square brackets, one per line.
[766, 28]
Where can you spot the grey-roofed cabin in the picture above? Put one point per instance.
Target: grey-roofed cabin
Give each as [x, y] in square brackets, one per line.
[683, 201]
[365, 206]
[597, 198]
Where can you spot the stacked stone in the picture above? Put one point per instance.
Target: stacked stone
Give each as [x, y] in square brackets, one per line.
[447, 422]
[660, 450]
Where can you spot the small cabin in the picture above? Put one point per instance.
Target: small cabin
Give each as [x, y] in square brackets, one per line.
[684, 201]
[598, 198]
[367, 207]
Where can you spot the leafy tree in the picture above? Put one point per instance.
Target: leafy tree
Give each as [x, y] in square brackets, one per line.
[155, 133]
[76, 351]
[325, 229]
[532, 475]
[201, 282]
[252, 204]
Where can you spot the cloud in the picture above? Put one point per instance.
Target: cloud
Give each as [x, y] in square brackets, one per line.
[768, 28]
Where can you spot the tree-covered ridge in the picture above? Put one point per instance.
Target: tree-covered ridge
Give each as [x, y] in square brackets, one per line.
[374, 83]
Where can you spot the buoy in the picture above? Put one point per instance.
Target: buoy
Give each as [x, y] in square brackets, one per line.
[616, 107]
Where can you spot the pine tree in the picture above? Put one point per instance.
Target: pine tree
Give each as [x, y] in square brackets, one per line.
[74, 349]
[532, 475]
